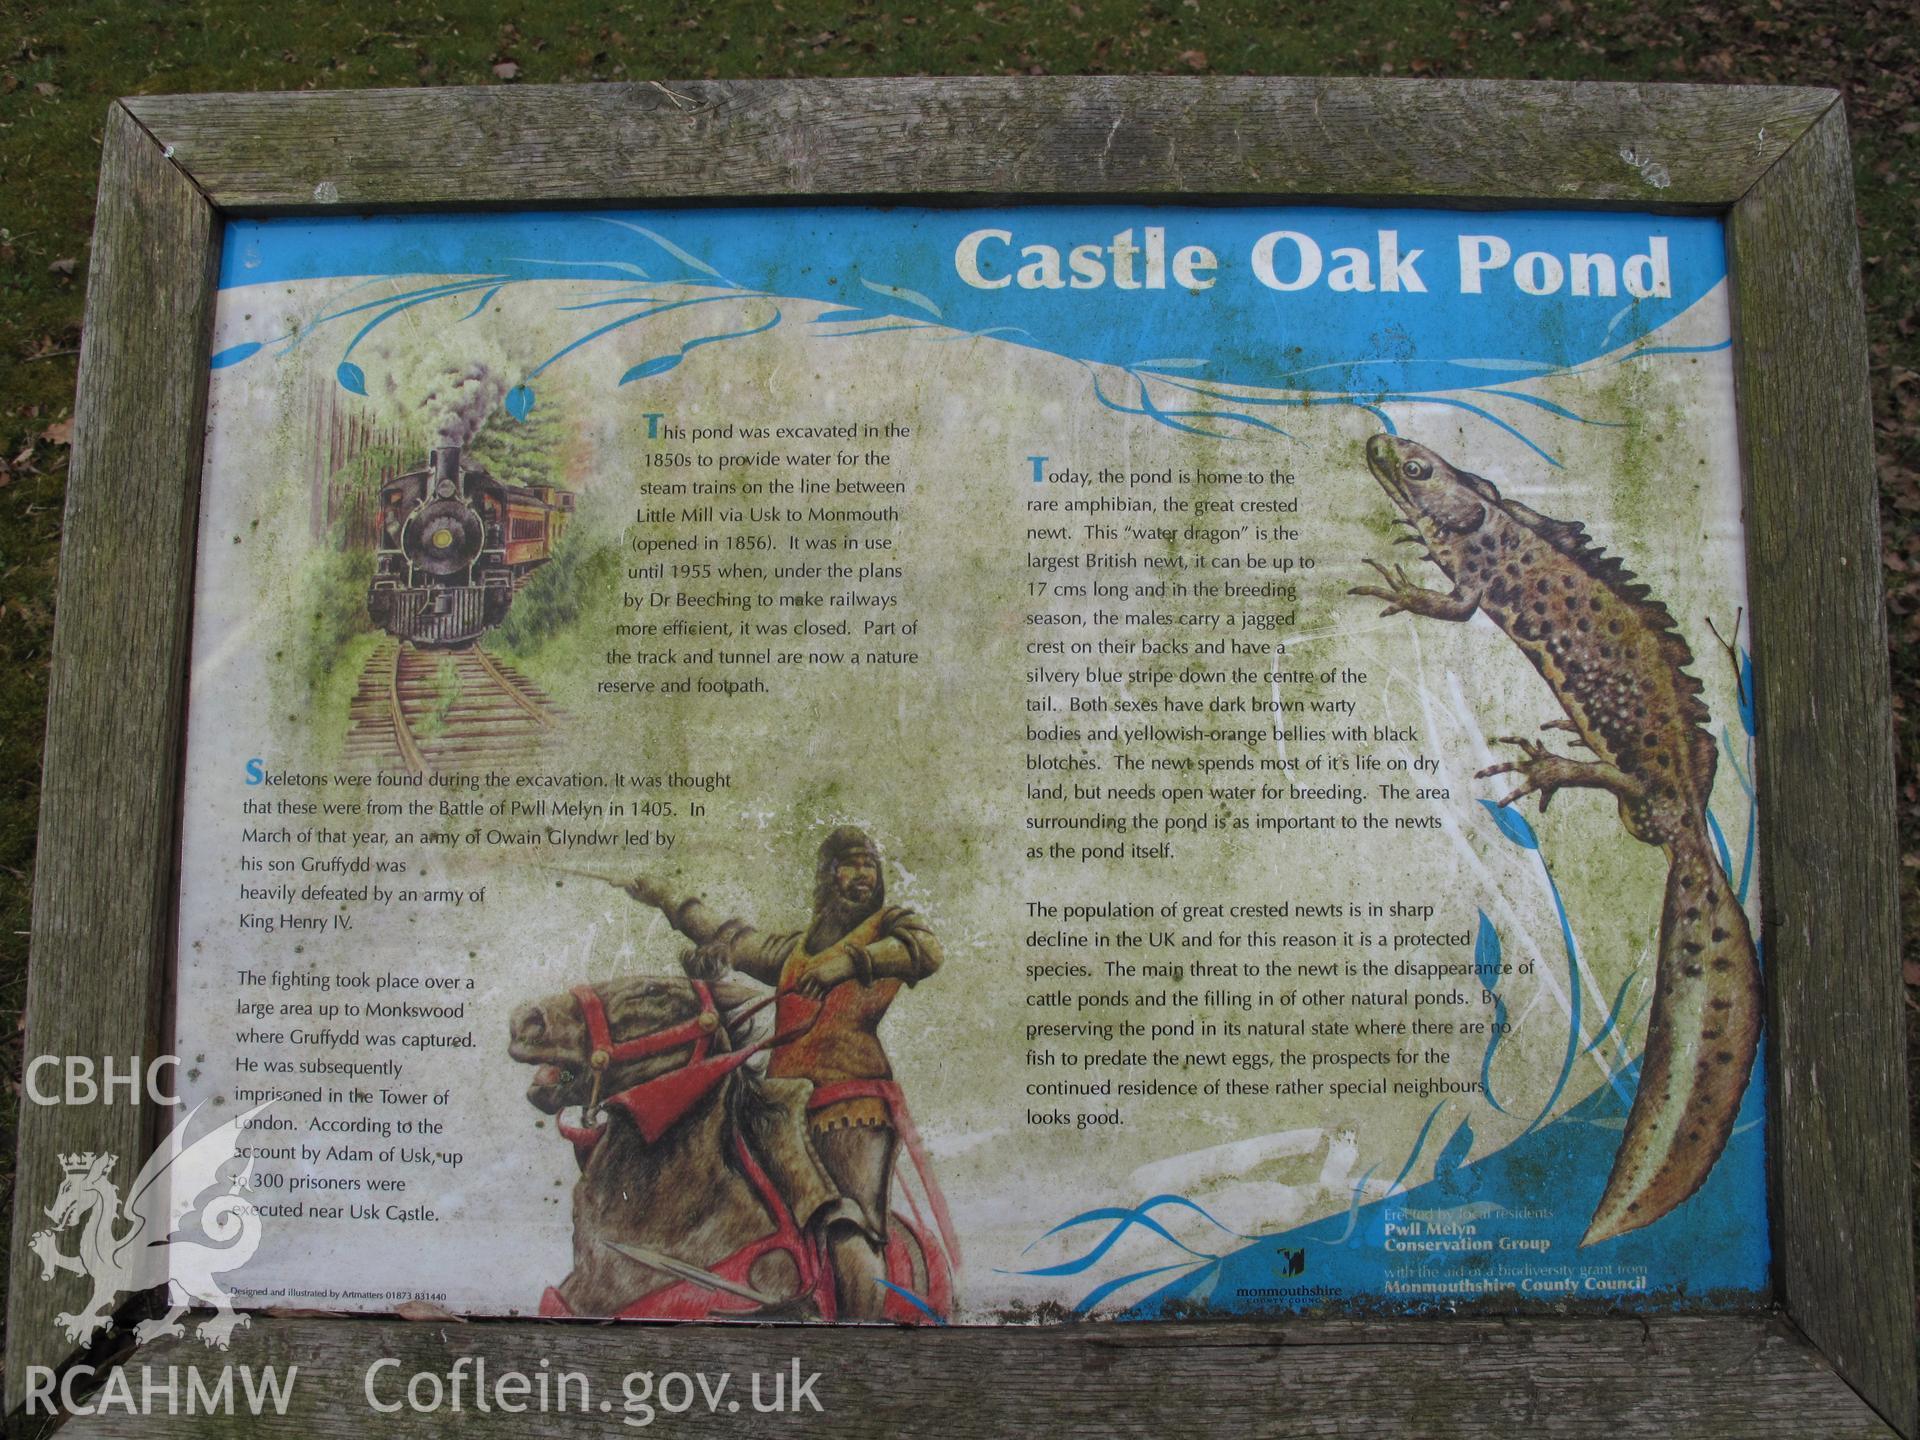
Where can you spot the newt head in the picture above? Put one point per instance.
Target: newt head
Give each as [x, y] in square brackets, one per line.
[1439, 500]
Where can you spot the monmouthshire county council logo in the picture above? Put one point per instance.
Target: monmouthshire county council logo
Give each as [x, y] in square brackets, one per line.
[164, 1202]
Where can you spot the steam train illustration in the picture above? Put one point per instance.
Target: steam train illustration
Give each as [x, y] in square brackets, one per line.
[454, 546]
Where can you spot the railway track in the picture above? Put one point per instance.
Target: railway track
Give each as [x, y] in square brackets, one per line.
[445, 710]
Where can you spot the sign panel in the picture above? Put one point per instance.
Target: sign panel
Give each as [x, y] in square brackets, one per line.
[837, 763]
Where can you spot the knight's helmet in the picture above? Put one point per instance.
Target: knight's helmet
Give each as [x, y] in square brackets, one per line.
[844, 841]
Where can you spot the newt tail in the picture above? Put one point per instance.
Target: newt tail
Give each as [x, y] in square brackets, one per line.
[1701, 1036]
[1616, 665]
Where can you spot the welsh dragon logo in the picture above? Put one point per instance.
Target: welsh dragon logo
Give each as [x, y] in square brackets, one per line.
[170, 1187]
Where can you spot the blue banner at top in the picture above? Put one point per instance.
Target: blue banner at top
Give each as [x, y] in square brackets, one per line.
[1380, 302]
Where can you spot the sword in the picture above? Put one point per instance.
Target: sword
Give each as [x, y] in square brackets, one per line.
[624, 884]
[618, 884]
[660, 1260]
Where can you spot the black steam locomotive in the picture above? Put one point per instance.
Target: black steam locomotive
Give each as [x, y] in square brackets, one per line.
[455, 546]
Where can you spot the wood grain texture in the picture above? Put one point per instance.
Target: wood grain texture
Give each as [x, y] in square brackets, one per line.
[1464, 141]
[103, 881]
[1829, 882]
[1750, 1377]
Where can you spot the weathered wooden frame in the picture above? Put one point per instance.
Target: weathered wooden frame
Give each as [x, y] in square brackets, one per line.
[1836, 1355]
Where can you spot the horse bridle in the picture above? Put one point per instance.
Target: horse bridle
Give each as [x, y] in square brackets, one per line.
[661, 1101]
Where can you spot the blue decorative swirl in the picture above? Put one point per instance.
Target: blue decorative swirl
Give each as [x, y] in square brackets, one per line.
[1645, 350]
[912, 1299]
[1486, 953]
[874, 330]
[485, 300]
[1494, 1037]
[1513, 825]
[1127, 1218]
[1745, 695]
[1419, 1143]
[1573, 994]
[1100, 1292]
[1613, 1017]
[1486, 968]
[1454, 1153]
[609, 328]
[1353, 1209]
[234, 354]
[1720, 844]
[662, 363]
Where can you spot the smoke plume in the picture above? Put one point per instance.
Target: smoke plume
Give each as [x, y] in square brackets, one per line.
[464, 400]
[442, 383]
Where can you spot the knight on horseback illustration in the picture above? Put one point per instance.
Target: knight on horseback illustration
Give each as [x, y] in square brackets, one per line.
[807, 1139]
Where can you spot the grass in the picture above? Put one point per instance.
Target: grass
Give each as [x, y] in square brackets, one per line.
[446, 694]
[330, 702]
[61, 64]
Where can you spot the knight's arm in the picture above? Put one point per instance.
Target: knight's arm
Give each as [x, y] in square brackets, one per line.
[741, 946]
[907, 950]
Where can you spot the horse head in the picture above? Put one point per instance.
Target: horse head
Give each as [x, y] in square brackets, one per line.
[647, 1028]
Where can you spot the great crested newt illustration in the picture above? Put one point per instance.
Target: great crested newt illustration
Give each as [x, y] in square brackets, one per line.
[1616, 664]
